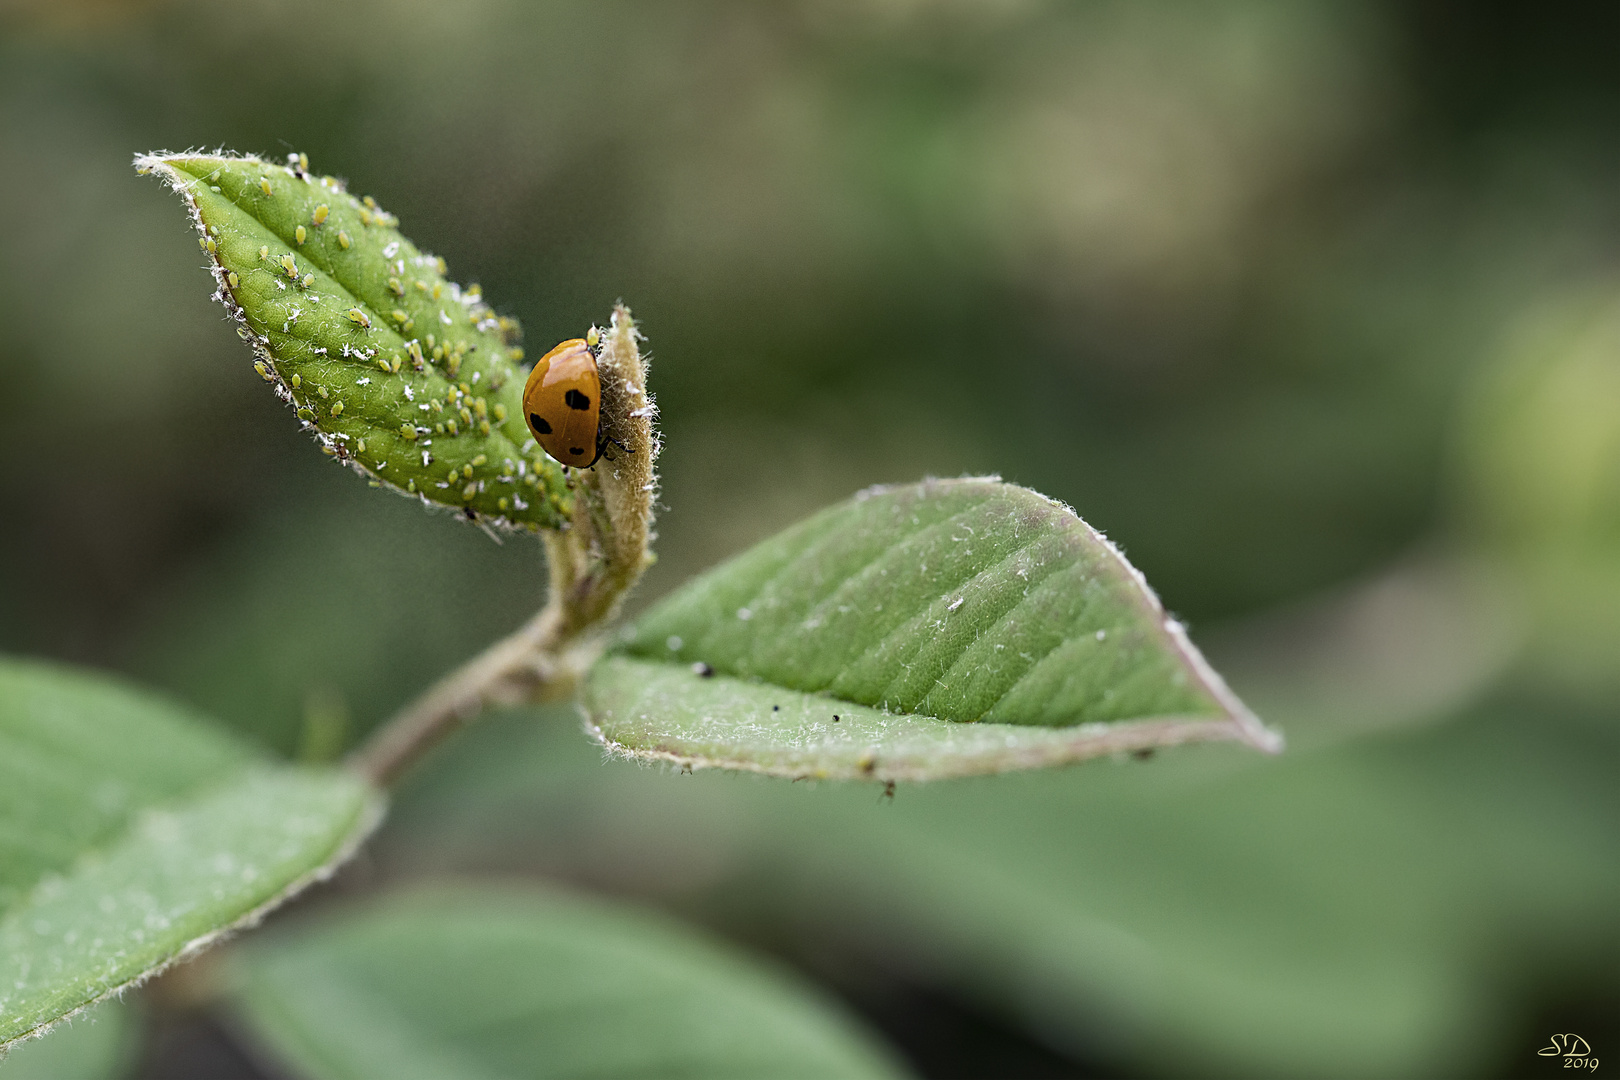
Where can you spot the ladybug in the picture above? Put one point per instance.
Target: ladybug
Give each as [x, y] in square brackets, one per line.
[563, 404]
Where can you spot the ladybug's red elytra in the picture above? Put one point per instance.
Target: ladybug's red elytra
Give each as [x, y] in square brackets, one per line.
[562, 402]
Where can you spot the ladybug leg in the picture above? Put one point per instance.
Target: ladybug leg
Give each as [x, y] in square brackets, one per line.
[602, 440]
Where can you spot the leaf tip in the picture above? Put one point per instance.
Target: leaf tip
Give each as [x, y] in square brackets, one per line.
[1247, 727]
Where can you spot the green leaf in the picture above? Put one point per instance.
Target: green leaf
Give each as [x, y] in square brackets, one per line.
[473, 982]
[1354, 909]
[396, 371]
[132, 835]
[939, 629]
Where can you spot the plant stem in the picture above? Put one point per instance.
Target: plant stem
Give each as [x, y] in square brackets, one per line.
[593, 564]
[521, 667]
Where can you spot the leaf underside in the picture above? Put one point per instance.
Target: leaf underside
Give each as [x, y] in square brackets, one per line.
[395, 370]
[132, 835]
[468, 982]
[953, 627]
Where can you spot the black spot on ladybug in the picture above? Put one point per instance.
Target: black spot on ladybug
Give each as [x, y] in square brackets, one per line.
[576, 451]
[704, 670]
[539, 424]
[576, 400]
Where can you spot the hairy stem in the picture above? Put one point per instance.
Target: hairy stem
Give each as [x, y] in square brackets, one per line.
[593, 564]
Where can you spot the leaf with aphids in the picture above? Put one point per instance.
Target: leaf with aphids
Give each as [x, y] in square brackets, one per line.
[939, 629]
[398, 372]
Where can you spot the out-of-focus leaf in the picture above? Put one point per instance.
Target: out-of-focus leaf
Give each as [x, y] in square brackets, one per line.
[1356, 909]
[132, 835]
[937, 629]
[395, 370]
[95, 1045]
[471, 982]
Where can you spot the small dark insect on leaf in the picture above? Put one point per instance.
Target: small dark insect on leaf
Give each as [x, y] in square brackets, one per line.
[703, 670]
[888, 790]
[835, 718]
[1143, 754]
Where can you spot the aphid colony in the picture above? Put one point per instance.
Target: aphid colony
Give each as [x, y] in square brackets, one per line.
[561, 400]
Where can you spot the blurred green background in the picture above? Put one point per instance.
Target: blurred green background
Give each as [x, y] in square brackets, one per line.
[1313, 307]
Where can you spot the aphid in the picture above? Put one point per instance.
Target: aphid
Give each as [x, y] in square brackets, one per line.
[343, 240]
[319, 217]
[264, 185]
[563, 403]
[300, 235]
